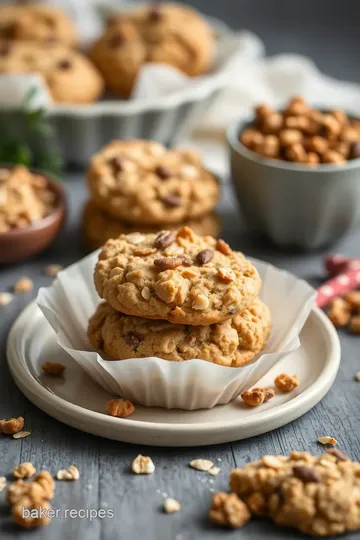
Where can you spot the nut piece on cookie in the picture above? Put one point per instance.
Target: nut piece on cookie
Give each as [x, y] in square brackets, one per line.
[120, 407]
[228, 510]
[286, 383]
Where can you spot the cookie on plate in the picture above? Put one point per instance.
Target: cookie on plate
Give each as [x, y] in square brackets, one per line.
[319, 495]
[98, 226]
[36, 22]
[69, 75]
[122, 336]
[144, 183]
[164, 33]
[176, 276]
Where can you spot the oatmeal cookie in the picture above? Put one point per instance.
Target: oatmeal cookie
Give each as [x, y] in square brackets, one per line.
[36, 22]
[98, 227]
[144, 183]
[121, 336]
[69, 75]
[319, 495]
[162, 33]
[24, 198]
[176, 276]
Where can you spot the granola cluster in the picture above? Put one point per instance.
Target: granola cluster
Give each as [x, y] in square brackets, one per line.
[346, 312]
[302, 134]
[284, 383]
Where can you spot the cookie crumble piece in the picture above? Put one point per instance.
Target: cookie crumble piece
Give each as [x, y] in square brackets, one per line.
[53, 368]
[121, 408]
[286, 383]
[229, 510]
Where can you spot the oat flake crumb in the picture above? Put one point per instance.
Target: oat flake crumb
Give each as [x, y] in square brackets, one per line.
[143, 465]
[21, 434]
[52, 270]
[6, 298]
[2, 483]
[71, 473]
[171, 506]
[214, 471]
[327, 440]
[23, 285]
[201, 464]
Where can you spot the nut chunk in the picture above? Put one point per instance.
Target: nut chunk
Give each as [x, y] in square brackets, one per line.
[257, 396]
[120, 408]
[286, 383]
[228, 510]
[53, 368]
[24, 470]
[143, 465]
[13, 425]
[71, 473]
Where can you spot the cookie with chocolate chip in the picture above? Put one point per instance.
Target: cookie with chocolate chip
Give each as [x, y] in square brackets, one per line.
[144, 183]
[176, 276]
[163, 33]
[319, 495]
[69, 75]
[119, 336]
[98, 226]
[36, 22]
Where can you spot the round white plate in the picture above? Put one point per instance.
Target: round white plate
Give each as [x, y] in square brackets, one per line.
[78, 401]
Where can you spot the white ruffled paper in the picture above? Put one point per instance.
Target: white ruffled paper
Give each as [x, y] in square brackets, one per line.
[194, 384]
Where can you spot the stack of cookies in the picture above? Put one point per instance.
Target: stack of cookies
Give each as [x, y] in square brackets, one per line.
[138, 185]
[177, 296]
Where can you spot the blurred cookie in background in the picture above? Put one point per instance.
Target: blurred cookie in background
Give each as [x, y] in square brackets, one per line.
[98, 227]
[164, 33]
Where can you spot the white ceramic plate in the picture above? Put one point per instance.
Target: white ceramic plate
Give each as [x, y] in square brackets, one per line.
[79, 402]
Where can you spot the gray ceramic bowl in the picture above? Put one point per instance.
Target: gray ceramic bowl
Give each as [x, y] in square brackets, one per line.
[294, 205]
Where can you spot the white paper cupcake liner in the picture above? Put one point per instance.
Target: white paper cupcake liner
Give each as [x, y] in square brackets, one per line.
[194, 384]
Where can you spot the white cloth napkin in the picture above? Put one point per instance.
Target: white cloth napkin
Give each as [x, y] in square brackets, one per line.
[253, 79]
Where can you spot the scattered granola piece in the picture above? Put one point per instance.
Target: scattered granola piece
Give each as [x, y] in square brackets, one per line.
[354, 325]
[257, 396]
[143, 465]
[286, 383]
[6, 298]
[23, 285]
[228, 510]
[214, 471]
[171, 506]
[52, 270]
[120, 407]
[11, 426]
[327, 440]
[3, 483]
[24, 470]
[21, 434]
[39, 508]
[71, 473]
[47, 484]
[201, 464]
[53, 368]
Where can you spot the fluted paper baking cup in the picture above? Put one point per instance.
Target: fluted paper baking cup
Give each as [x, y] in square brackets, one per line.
[195, 384]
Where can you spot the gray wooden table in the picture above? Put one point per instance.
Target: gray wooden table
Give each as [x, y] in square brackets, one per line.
[104, 465]
[329, 34]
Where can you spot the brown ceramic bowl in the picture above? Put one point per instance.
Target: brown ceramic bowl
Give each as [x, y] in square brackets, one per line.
[18, 244]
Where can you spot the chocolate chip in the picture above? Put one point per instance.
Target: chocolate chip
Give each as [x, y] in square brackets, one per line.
[133, 340]
[116, 163]
[117, 40]
[155, 13]
[169, 263]
[164, 239]
[306, 474]
[64, 64]
[339, 454]
[172, 200]
[204, 256]
[355, 150]
[162, 172]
